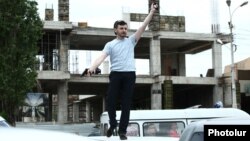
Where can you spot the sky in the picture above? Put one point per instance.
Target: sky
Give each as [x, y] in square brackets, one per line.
[198, 15]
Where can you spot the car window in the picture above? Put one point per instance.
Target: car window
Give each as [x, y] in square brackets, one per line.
[165, 129]
[105, 127]
[133, 129]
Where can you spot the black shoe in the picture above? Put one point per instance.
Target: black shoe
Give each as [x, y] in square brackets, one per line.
[110, 132]
[123, 136]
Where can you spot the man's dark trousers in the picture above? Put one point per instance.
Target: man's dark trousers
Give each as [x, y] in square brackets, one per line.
[121, 85]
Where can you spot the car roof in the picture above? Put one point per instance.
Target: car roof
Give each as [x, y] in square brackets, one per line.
[26, 134]
[1, 118]
[4, 123]
[131, 138]
[221, 121]
[200, 113]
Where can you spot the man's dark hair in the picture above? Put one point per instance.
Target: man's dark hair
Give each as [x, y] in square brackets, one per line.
[119, 22]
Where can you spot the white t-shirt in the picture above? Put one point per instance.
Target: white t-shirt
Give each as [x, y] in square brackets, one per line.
[121, 54]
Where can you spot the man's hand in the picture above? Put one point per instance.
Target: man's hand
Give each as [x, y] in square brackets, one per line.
[89, 72]
[154, 6]
[86, 72]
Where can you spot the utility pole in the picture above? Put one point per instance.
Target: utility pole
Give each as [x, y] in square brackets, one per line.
[233, 90]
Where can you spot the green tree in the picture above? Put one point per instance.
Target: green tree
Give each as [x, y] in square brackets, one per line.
[20, 29]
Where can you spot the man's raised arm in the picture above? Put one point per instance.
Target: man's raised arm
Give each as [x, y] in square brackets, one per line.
[142, 28]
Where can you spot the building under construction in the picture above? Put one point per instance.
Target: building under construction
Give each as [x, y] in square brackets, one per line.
[165, 45]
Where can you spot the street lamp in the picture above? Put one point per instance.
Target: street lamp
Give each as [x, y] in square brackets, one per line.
[233, 91]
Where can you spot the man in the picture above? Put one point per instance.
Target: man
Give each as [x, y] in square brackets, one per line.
[122, 76]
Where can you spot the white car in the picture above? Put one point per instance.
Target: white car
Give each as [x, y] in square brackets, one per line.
[162, 119]
[196, 131]
[130, 138]
[3, 122]
[28, 134]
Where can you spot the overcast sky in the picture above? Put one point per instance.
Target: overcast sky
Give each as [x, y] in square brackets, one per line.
[198, 16]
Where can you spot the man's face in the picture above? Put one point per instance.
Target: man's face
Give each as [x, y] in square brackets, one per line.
[121, 30]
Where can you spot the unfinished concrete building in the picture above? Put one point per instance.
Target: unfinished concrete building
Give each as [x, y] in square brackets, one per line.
[166, 86]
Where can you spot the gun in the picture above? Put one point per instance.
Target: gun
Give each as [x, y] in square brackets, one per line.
[85, 72]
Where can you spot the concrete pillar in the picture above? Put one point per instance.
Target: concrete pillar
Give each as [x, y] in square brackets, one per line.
[182, 65]
[217, 59]
[76, 112]
[168, 94]
[88, 111]
[155, 70]
[217, 67]
[227, 101]
[62, 115]
[155, 57]
[63, 10]
[62, 95]
[63, 52]
[156, 94]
